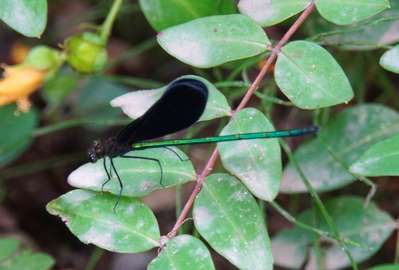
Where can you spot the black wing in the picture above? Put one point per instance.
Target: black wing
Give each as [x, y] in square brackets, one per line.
[179, 107]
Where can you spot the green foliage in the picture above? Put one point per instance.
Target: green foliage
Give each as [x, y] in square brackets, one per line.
[346, 137]
[140, 177]
[58, 88]
[215, 40]
[94, 98]
[16, 129]
[368, 227]
[43, 57]
[390, 60]
[261, 170]
[90, 216]
[386, 267]
[162, 14]
[373, 33]
[229, 219]
[8, 246]
[271, 12]
[25, 16]
[345, 12]
[181, 253]
[356, 140]
[310, 77]
[380, 159]
[12, 257]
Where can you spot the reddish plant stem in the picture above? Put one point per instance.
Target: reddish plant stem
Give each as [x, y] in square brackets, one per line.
[251, 90]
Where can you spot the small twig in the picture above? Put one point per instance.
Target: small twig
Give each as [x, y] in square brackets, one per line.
[307, 227]
[178, 200]
[365, 180]
[40, 165]
[319, 204]
[95, 257]
[77, 122]
[134, 81]
[109, 21]
[273, 99]
[132, 52]
[231, 84]
[397, 242]
[251, 90]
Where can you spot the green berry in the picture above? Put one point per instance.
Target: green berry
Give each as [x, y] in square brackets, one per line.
[86, 52]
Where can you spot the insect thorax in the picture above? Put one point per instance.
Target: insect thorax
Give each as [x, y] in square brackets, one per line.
[107, 148]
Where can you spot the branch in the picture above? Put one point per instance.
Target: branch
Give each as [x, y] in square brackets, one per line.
[250, 92]
[109, 21]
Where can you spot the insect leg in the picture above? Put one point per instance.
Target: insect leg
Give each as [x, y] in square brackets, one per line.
[110, 169]
[172, 150]
[107, 172]
[151, 159]
[120, 183]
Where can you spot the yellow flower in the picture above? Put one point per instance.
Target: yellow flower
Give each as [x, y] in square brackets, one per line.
[18, 83]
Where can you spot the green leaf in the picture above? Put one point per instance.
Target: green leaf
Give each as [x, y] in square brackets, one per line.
[8, 246]
[16, 130]
[368, 35]
[139, 177]
[44, 57]
[57, 88]
[215, 40]
[229, 219]
[271, 12]
[381, 159]
[28, 261]
[348, 136]
[162, 14]
[369, 227]
[310, 77]
[95, 97]
[386, 267]
[89, 215]
[181, 253]
[390, 60]
[343, 12]
[257, 163]
[25, 16]
[11, 258]
[292, 255]
[135, 104]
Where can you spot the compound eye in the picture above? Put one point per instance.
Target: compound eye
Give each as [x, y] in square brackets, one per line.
[98, 147]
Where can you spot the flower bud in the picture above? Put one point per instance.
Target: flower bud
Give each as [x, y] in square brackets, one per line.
[86, 52]
[45, 58]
